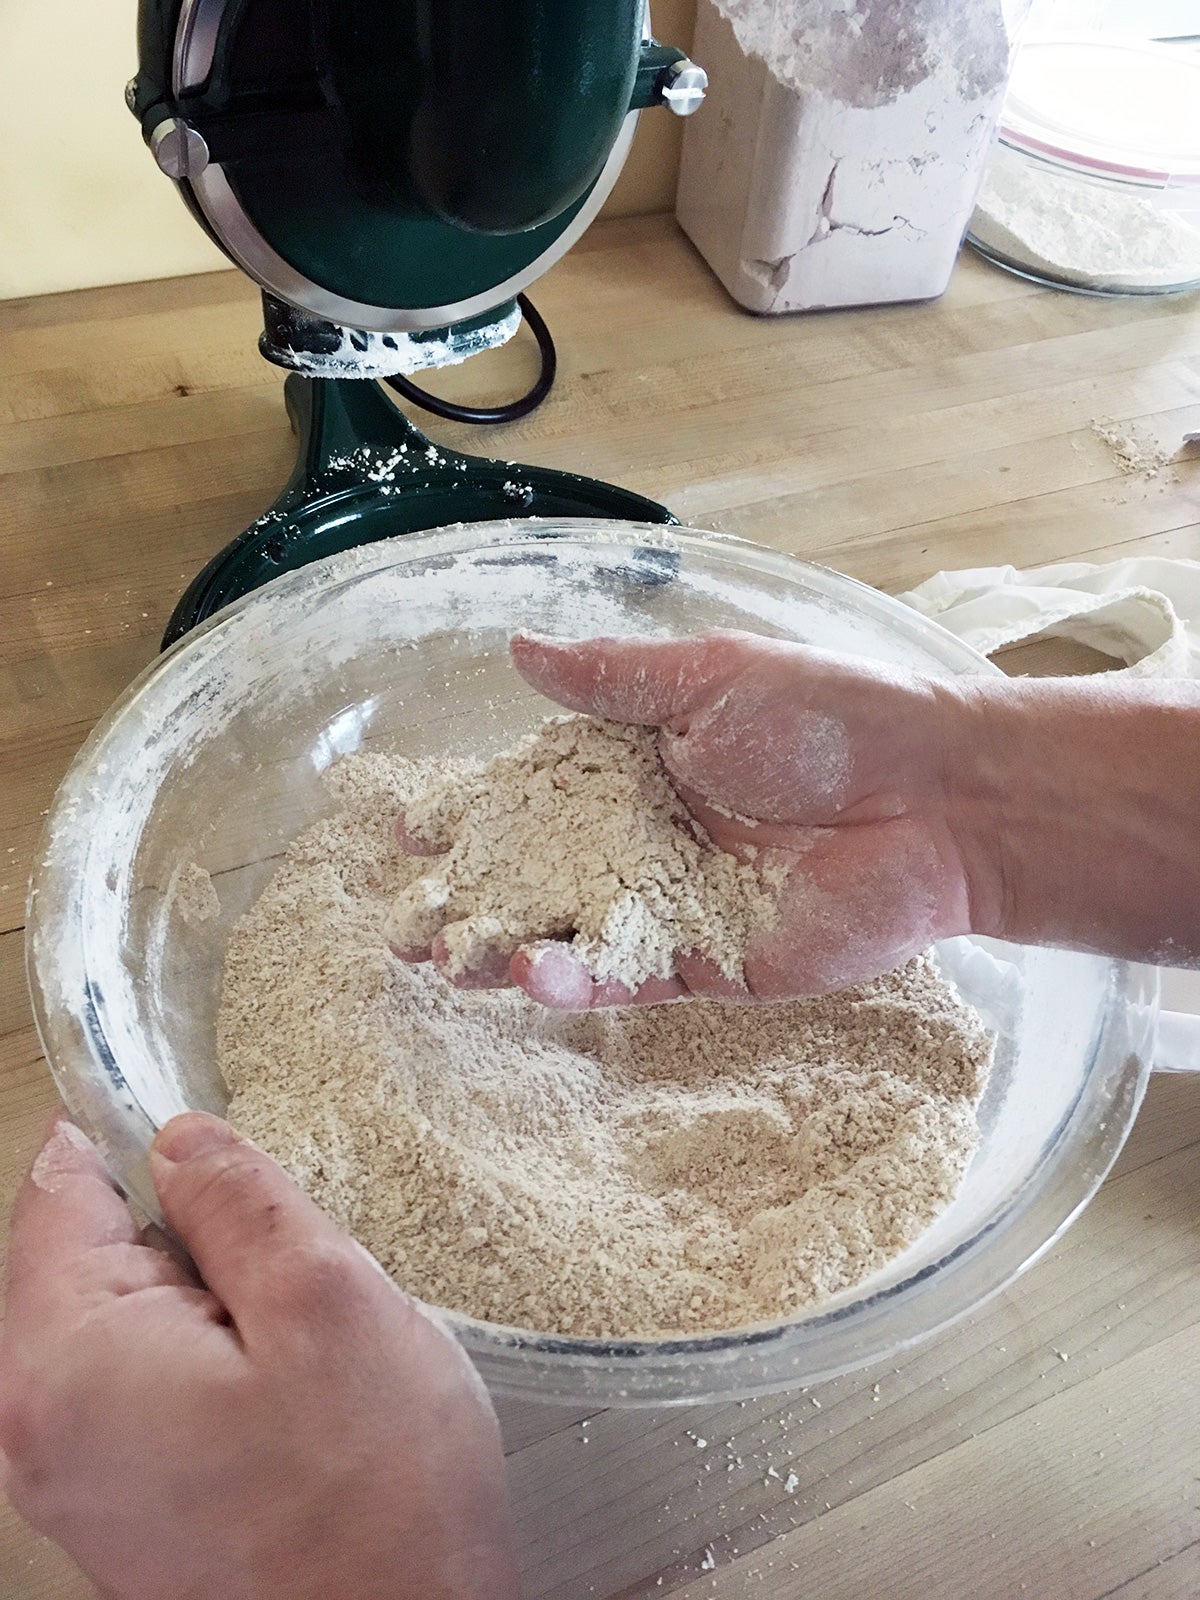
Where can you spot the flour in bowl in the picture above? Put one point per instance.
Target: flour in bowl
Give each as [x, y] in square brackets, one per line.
[576, 832]
[669, 1170]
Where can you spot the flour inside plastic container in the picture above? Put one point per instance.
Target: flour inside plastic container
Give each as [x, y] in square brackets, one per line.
[655, 1171]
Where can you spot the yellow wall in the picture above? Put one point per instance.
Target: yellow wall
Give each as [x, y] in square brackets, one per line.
[81, 202]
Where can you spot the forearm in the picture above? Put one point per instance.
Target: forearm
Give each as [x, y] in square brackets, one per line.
[1076, 806]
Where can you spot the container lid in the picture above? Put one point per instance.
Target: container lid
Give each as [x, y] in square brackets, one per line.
[1116, 106]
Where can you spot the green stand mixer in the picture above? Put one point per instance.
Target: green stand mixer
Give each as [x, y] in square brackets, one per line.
[393, 174]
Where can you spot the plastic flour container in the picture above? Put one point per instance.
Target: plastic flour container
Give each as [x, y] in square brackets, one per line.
[1095, 183]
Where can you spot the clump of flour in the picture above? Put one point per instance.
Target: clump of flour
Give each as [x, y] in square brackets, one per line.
[1135, 453]
[663, 1170]
[575, 833]
[191, 894]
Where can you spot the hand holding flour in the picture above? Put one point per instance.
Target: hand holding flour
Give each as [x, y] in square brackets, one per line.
[825, 765]
[298, 1429]
[826, 771]
[902, 809]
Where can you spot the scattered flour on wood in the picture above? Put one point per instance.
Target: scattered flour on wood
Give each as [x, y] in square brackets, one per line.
[575, 833]
[1134, 452]
[668, 1170]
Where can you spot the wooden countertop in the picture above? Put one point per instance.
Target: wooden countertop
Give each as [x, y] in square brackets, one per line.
[1048, 1446]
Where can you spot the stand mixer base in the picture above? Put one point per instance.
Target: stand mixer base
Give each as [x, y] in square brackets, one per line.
[364, 472]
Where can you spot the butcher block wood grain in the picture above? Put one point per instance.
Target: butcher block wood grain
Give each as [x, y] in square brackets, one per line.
[1047, 1447]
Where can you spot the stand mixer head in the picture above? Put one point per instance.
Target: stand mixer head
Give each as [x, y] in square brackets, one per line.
[386, 169]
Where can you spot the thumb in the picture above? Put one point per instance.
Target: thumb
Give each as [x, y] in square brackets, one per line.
[255, 1237]
[651, 681]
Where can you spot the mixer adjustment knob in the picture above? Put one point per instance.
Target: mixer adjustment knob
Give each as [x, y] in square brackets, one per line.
[685, 87]
[179, 150]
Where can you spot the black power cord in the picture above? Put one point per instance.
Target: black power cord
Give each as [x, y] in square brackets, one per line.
[513, 408]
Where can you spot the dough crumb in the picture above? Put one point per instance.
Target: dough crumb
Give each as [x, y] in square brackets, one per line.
[191, 894]
[655, 1171]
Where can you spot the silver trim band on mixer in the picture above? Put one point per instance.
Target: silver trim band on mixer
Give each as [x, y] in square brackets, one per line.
[196, 36]
[195, 48]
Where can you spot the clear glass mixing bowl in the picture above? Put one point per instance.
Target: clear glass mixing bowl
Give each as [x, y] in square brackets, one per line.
[215, 756]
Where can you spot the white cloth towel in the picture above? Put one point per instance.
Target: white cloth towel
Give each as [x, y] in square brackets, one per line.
[1146, 613]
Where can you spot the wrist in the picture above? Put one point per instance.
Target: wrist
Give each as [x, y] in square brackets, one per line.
[1073, 805]
[981, 769]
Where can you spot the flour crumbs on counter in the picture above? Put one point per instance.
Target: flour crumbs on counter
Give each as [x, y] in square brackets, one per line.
[1134, 452]
[649, 1171]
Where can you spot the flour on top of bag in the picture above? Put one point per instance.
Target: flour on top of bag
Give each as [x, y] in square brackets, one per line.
[575, 833]
[649, 1171]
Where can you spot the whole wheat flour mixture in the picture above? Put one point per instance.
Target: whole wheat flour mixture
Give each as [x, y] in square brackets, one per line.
[674, 1169]
[575, 832]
